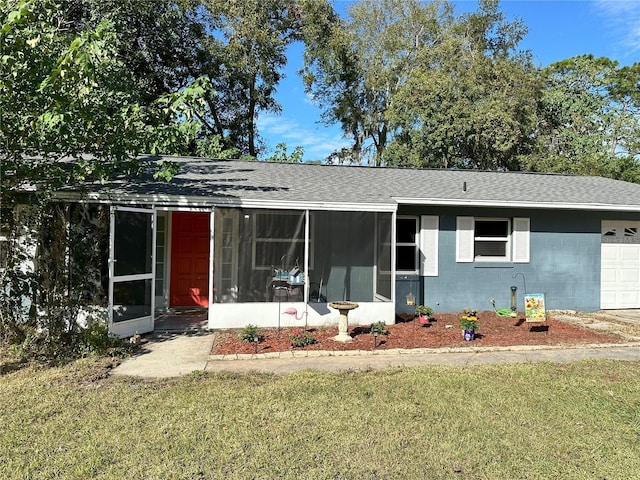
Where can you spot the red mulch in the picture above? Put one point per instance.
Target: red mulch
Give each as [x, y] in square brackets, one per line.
[443, 331]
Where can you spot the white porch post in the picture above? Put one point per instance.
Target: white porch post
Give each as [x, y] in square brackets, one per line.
[211, 266]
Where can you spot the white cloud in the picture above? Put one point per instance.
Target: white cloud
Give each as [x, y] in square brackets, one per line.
[623, 19]
[318, 142]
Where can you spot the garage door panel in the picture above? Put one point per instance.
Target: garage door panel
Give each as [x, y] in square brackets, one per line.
[620, 265]
[629, 253]
[609, 253]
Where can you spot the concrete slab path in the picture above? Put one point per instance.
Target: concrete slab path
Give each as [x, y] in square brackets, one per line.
[182, 354]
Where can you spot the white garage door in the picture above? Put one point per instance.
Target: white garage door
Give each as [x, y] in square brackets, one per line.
[620, 274]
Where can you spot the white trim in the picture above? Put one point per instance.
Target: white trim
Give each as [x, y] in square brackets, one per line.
[393, 257]
[307, 256]
[506, 240]
[514, 204]
[191, 202]
[210, 300]
[429, 232]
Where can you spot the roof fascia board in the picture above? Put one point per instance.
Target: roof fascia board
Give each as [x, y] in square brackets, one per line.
[505, 204]
[167, 200]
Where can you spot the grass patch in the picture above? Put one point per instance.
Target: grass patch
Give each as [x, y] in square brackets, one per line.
[534, 421]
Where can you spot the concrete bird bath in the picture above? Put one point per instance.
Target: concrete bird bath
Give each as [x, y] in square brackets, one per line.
[343, 324]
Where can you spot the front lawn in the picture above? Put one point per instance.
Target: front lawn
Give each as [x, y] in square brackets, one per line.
[534, 421]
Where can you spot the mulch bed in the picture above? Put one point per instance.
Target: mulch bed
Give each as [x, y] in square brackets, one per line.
[443, 331]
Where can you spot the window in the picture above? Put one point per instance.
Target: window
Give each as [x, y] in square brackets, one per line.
[492, 239]
[407, 244]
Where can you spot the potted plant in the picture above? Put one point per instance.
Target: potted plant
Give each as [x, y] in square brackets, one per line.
[424, 312]
[469, 323]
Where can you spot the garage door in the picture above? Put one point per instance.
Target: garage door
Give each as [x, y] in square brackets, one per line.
[620, 274]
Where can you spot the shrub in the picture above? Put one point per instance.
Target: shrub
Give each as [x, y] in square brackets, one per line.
[378, 327]
[302, 338]
[248, 333]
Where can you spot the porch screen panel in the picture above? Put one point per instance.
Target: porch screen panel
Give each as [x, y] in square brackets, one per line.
[132, 244]
[345, 255]
[131, 299]
[258, 248]
[383, 258]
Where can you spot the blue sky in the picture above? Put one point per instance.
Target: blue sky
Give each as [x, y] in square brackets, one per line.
[557, 30]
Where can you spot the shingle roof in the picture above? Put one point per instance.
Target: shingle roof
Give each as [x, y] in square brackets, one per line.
[216, 182]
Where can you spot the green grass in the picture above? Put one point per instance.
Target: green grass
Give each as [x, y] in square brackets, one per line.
[530, 421]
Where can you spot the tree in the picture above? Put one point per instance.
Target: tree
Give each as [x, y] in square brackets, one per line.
[471, 103]
[65, 95]
[354, 68]
[245, 56]
[589, 119]
[413, 84]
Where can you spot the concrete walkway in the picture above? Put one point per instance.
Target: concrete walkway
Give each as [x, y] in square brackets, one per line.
[175, 355]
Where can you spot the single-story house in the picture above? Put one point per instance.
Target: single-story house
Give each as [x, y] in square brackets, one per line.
[272, 244]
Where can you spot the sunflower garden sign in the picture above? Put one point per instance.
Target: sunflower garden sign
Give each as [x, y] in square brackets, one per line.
[534, 309]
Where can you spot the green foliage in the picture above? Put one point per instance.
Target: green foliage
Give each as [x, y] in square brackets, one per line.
[589, 119]
[280, 154]
[414, 85]
[57, 347]
[424, 310]
[378, 327]
[248, 334]
[302, 338]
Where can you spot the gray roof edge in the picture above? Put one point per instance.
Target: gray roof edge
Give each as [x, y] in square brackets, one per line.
[210, 202]
[443, 202]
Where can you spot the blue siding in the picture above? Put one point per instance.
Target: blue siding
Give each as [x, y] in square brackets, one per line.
[406, 284]
[564, 263]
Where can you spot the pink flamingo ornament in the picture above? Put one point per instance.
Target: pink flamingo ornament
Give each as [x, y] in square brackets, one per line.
[294, 312]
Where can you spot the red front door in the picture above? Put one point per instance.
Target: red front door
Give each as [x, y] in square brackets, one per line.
[189, 284]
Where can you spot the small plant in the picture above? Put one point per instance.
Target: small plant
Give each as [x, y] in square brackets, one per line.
[248, 333]
[378, 327]
[423, 311]
[469, 320]
[302, 338]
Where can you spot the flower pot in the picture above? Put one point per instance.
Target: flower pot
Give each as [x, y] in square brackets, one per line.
[469, 335]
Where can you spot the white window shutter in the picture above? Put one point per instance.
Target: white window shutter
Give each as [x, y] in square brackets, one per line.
[429, 225]
[521, 228]
[464, 239]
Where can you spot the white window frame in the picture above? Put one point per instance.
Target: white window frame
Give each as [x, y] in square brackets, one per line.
[517, 247]
[497, 239]
[415, 244]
